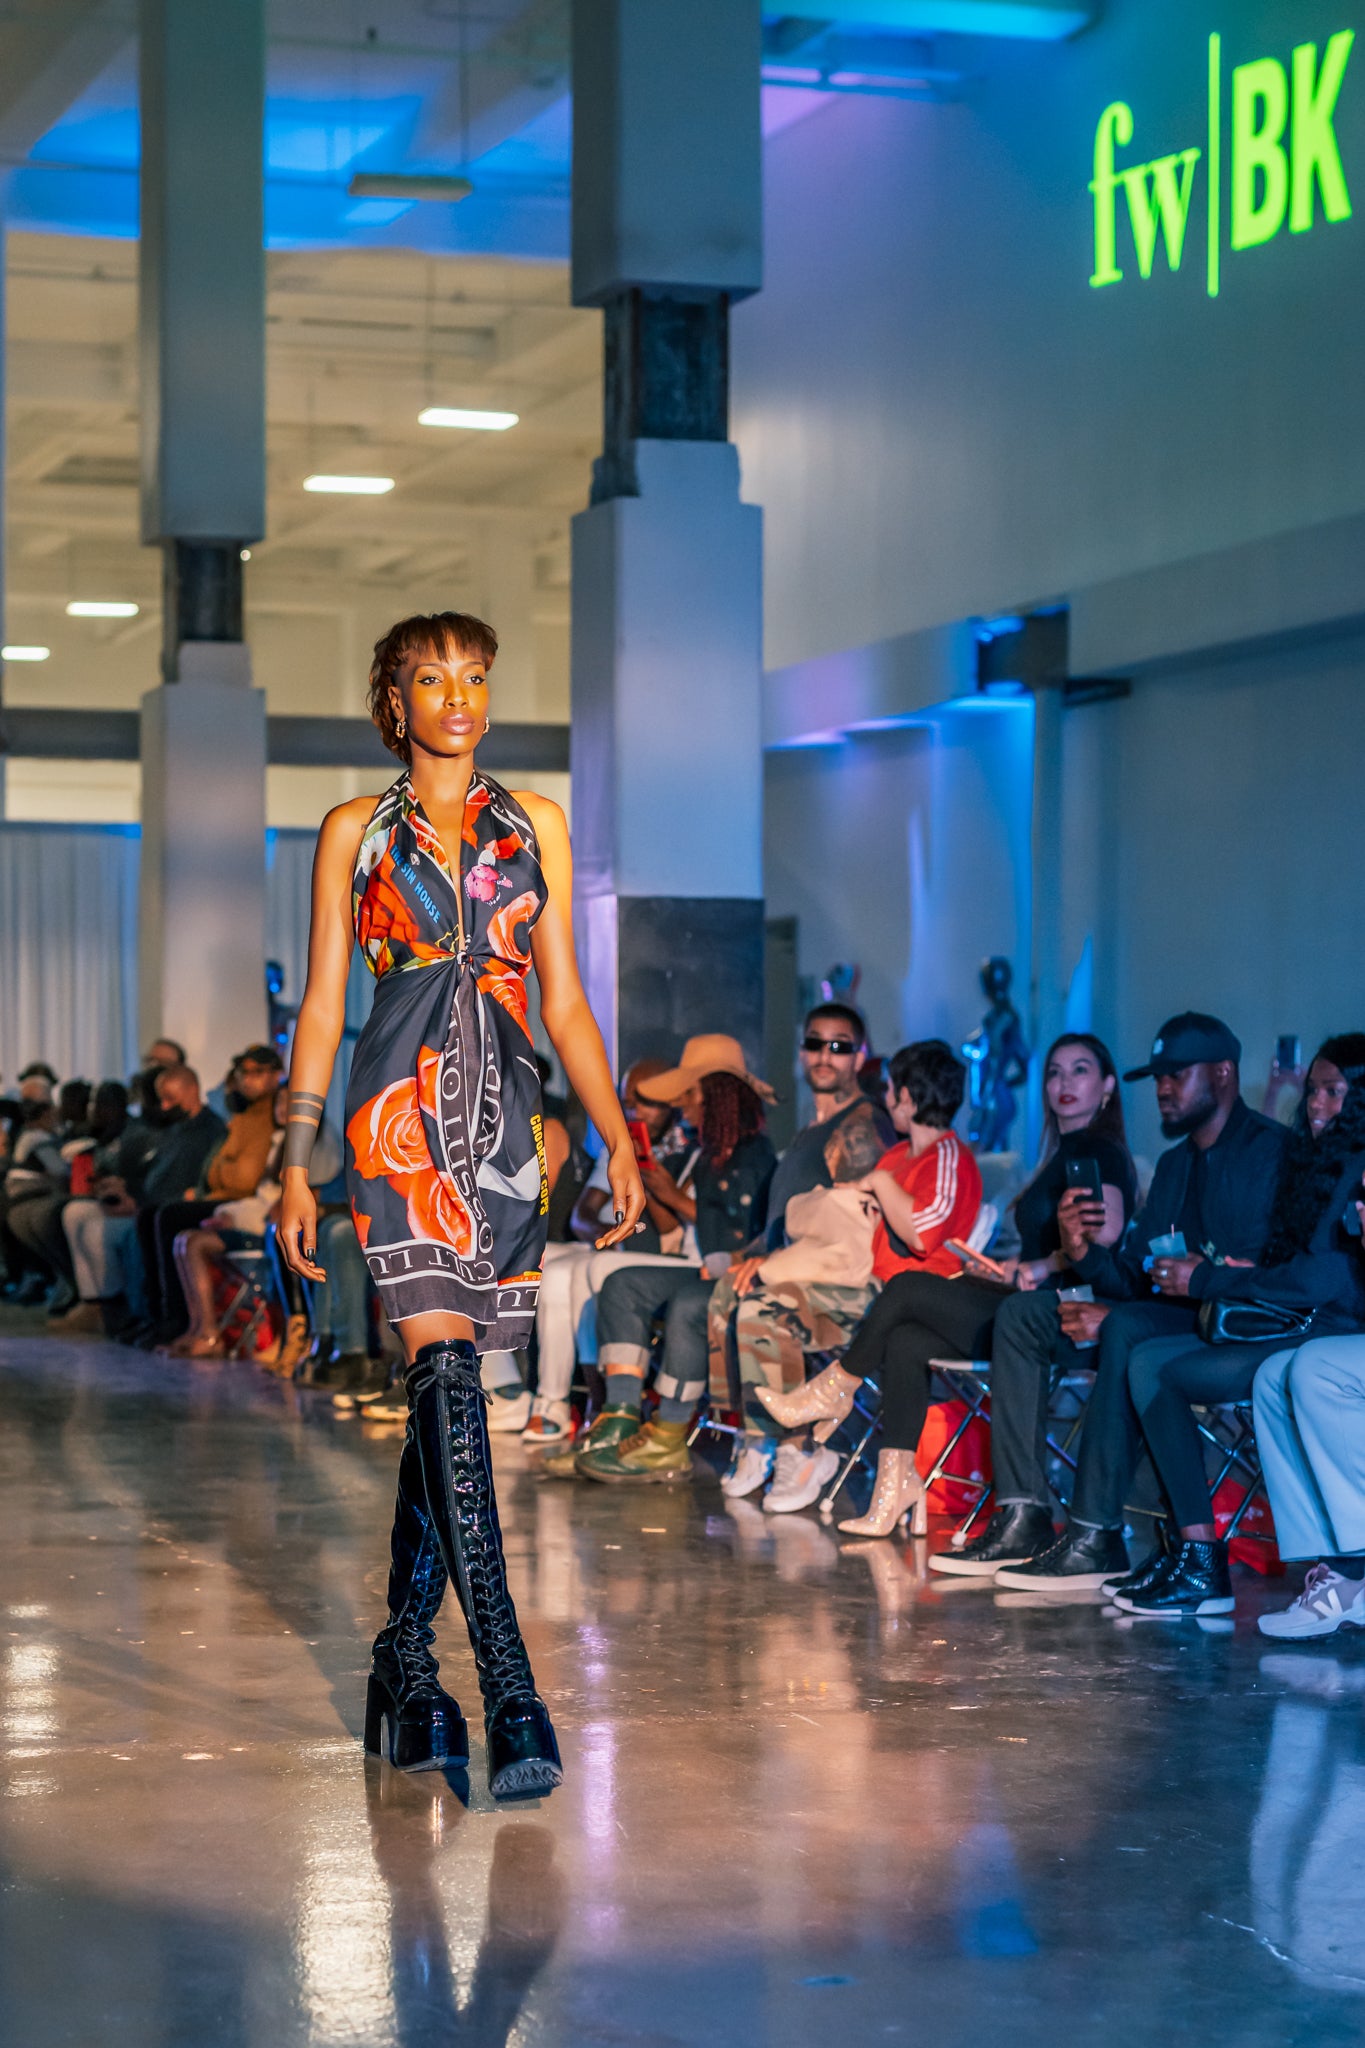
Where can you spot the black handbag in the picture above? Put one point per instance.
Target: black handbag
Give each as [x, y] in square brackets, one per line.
[1252, 1322]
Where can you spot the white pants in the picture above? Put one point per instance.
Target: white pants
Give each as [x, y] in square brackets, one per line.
[1310, 1430]
[566, 1318]
[104, 1253]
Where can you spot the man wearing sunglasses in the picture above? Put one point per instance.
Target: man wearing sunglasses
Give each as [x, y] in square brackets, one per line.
[846, 1136]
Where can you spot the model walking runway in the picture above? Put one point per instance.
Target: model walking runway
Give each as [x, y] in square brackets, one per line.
[454, 889]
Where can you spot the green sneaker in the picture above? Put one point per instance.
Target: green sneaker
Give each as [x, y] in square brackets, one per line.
[611, 1426]
[655, 1454]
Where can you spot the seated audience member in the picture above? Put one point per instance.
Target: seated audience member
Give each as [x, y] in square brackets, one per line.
[928, 1189]
[36, 1171]
[240, 1225]
[573, 1270]
[233, 1171]
[731, 1187]
[38, 1224]
[1310, 1432]
[921, 1315]
[37, 1082]
[163, 1052]
[845, 1138]
[1216, 1187]
[155, 1160]
[1307, 1266]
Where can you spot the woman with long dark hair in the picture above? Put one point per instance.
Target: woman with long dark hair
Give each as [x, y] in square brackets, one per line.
[1308, 1266]
[726, 1208]
[918, 1317]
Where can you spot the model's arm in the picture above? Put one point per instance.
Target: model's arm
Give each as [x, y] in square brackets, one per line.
[570, 1023]
[317, 1034]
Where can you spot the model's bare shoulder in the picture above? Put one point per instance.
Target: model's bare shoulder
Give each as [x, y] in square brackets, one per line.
[545, 814]
[342, 829]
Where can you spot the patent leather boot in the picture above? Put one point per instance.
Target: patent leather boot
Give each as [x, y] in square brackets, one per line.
[425, 1726]
[451, 1429]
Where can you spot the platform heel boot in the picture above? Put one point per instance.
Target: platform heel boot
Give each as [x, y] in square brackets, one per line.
[426, 1729]
[451, 1429]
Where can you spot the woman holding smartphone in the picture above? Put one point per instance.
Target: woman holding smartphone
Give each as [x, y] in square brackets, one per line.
[454, 888]
[921, 1316]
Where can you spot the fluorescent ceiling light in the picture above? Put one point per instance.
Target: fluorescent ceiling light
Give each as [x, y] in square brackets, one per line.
[350, 486]
[80, 608]
[464, 416]
[24, 653]
[408, 185]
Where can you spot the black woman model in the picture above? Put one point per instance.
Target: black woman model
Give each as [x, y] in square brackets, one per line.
[454, 888]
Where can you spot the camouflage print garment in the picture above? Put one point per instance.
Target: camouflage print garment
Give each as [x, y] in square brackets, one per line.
[774, 1330]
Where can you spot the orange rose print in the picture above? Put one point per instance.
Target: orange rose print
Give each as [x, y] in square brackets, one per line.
[386, 1134]
[436, 1212]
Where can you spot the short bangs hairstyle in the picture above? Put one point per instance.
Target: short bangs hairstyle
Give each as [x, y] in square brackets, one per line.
[934, 1078]
[442, 634]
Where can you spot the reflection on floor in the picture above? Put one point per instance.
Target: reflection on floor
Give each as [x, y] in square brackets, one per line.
[811, 1793]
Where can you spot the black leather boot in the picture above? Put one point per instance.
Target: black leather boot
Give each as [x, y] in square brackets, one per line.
[451, 1430]
[1196, 1581]
[426, 1728]
[1013, 1534]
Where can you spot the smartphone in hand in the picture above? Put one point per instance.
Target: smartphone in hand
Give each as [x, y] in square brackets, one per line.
[639, 1138]
[1085, 1174]
[976, 1262]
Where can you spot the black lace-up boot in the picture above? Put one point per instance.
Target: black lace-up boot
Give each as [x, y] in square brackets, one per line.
[425, 1725]
[451, 1431]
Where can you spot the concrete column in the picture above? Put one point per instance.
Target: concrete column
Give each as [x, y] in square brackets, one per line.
[202, 292]
[667, 560]
[1048, 969]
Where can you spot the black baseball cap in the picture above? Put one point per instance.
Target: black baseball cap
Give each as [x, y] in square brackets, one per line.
[1189, 1040]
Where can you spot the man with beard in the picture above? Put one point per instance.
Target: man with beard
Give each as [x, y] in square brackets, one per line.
[1216, 1187]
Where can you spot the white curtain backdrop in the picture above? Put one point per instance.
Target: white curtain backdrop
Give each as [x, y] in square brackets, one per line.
[68, 947]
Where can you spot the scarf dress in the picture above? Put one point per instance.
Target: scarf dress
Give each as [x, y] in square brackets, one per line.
[445, 1156]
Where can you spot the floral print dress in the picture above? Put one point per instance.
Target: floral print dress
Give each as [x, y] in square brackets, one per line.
[445, 1158]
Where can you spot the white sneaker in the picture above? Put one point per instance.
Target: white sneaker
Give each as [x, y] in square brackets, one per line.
[508, 1414]
[799, 1477]
[750, 1467]
[1328, 1602]
[549, 1425]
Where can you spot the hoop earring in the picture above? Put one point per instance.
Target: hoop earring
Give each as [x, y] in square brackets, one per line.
[487, 722]
[400, 730]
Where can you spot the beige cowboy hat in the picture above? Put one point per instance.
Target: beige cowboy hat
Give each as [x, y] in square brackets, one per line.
[711, 1052]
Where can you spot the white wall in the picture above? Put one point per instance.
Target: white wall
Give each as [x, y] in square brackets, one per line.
[1212, 850]
[905, 853]
[939, 415]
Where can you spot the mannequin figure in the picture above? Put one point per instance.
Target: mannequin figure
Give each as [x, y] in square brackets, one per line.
[997, 1060]
[454, 887]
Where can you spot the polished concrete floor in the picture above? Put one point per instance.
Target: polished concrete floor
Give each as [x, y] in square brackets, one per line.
[811, 1795]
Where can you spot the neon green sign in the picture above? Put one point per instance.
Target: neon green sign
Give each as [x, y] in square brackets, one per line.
[1282, 159]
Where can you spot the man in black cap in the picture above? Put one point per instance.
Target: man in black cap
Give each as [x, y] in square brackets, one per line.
[1216, 1188]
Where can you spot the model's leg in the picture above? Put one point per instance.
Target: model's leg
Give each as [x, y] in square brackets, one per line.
[426, 1726]
[450, 1428]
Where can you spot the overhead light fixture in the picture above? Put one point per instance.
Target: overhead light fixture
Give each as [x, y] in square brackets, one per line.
[465, 416]
[350, 486]
[81, 608]
[24, 653]
[408, 185]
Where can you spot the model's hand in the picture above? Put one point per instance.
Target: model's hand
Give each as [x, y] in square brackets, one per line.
[1080, 1320]
[627, 1196]
[298, 1225]
[1080, 1219]
[1172, 1276]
